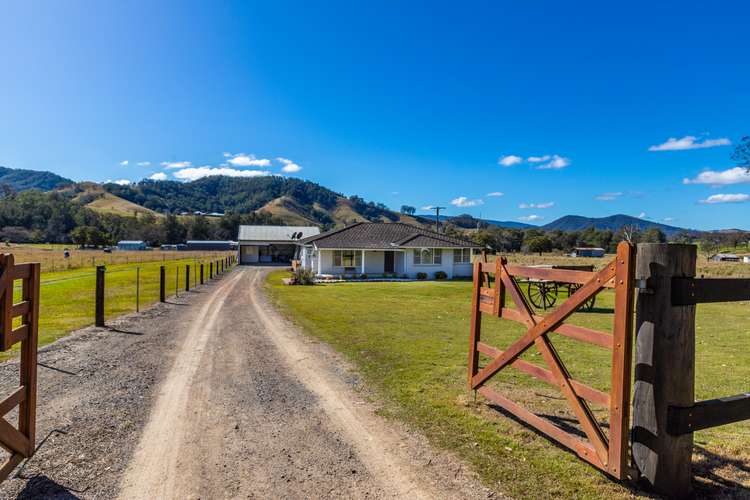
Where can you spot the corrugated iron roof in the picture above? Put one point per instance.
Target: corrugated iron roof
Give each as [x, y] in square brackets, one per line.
[275, 233]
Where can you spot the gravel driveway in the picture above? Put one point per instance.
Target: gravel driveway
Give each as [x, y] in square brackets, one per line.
[214, 395]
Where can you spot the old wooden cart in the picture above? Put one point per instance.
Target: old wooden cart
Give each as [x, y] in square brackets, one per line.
[543, 293]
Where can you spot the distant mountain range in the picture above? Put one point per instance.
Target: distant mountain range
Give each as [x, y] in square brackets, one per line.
[566, 223]
[613, 223]
[288, 200]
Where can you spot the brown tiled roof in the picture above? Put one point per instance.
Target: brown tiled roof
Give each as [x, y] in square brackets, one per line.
[383, 235]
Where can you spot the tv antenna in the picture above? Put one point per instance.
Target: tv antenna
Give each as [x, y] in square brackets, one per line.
[437, 217]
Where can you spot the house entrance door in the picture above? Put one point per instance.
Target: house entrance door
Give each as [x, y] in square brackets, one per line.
[389, 264]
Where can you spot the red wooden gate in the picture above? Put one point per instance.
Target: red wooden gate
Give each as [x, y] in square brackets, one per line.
[607, 452]
[20, 442]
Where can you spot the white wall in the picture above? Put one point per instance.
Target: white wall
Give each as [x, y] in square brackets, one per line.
[446, 265]
[404, 264]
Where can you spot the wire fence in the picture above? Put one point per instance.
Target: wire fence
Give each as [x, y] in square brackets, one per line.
[68, 300]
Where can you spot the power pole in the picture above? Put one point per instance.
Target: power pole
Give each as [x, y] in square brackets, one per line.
[437, 217]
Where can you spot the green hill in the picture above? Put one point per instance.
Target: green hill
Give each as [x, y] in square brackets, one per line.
[21, 180]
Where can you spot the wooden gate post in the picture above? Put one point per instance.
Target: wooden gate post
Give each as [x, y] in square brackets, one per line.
[187, 277]
[664, 370]
[201, 273]
[210, 270]
[99, 307]
[162, 284]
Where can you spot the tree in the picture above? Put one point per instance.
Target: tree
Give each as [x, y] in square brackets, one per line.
[538, 244]
[654, 235]
[199, 228]
[741, 154]
[173, 229]
[408, 210]
[708, 248]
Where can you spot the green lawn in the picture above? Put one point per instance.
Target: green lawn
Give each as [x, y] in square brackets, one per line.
[410, 341]
[67, 297]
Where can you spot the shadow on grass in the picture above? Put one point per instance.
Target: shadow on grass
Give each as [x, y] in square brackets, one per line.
[707, 481]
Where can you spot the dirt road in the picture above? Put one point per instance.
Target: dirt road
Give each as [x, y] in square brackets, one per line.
[216, 396]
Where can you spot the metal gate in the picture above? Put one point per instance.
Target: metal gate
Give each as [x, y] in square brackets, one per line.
[19, 322]
[607, 452]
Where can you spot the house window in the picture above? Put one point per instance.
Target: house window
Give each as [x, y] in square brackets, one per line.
[428, 256]
[462, 256]
[347, 258]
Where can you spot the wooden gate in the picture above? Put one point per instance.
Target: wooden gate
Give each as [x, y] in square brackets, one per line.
[20, 442]
[607, 452]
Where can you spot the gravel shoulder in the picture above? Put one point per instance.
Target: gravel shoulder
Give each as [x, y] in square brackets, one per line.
[217, 396]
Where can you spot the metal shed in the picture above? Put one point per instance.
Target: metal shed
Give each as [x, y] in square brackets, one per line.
[268, 244]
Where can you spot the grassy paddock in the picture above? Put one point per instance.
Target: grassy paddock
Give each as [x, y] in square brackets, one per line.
[67, 297]
[52, 259]
[705, 267]
[410, 341]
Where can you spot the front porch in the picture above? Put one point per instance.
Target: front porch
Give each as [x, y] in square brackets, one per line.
[351, 263]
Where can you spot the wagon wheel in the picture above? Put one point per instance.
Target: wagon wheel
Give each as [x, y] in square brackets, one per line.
[587, 305]
[542, 294]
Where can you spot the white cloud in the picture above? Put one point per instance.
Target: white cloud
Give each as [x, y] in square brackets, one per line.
[736, 175]
[124, 163]
[608, 196]
[119, 182]
[544, 162]
[509, 160]
[226, 155]
[531, 218]
[669, 219]
[289, 166]
[549, 204]
[243, 160]
[642, 215]
[463, 201]
[495, 194]
[538, 159]
[726, 198]
[556, 162]
[158, 176]
[689, 142]
[193, 173]
[144, 163]
[428, 207]
[176, 164]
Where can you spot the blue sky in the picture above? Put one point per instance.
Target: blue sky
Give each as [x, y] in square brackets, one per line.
[414, 104]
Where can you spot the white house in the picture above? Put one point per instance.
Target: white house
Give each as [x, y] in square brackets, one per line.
[386, 248]
[266, 244]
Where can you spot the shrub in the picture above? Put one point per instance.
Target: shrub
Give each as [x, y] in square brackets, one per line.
[304, 276]
[421, 276]
[440, 275]
[363, 276]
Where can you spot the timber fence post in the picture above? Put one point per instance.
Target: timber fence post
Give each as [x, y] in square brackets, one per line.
[210, 270]
[99, 307]
[201, 273]
[187, 277]
[162, 284]
[664, 369]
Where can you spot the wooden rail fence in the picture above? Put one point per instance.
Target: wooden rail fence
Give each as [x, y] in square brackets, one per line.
[665, 413]
[19, 442]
